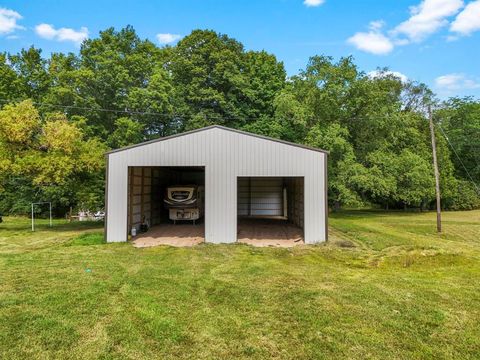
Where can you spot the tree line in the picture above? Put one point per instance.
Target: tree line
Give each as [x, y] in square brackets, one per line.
[59, 114]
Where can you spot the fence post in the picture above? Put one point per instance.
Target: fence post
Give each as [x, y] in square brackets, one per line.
[33, 226]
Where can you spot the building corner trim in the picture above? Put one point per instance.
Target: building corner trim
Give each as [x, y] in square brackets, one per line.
[325, 170]
[105, 226]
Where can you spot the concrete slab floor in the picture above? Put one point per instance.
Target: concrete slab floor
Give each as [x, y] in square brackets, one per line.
[259, 232]
[179, 235]
[264, 232]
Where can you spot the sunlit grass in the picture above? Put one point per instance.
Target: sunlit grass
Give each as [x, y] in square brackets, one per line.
[385, 286]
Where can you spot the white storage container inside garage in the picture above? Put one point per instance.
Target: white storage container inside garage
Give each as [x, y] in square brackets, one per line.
[246, 176]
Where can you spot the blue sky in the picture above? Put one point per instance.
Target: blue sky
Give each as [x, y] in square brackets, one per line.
[432, 41]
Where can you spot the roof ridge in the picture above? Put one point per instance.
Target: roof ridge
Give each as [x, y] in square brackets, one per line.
[221, 127]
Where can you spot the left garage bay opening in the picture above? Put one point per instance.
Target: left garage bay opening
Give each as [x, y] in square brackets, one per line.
[154, 218]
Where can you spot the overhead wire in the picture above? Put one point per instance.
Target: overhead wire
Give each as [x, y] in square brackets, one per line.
[129, 112]
[176, 115]
[133, 112]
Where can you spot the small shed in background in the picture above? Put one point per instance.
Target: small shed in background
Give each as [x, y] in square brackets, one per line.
[245, 177]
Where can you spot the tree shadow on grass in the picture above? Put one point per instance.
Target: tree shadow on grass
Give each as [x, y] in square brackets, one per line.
[372, 213]
[96, 238]
[73, 226]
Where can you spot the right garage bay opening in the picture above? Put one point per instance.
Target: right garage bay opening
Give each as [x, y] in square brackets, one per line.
[270, 211]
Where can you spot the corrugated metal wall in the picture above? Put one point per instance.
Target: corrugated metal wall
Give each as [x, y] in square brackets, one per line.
[295, 200]
[226, 155]
[260, 197]
[139, 201]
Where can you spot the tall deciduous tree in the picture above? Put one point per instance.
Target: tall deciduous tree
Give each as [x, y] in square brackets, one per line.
[48, 159]
[220, 83]
[31, 68]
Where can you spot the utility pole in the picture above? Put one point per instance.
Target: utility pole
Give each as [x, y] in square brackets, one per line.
[435, 167]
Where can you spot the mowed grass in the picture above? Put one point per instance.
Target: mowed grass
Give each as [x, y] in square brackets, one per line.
[385, 286]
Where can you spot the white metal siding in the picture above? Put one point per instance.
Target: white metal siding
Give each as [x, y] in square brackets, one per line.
[226, 155]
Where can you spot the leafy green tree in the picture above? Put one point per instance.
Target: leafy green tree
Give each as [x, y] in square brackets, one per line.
[415, 181]
[379, 182]
[98, 83]
[265, 78]
[127, 132]
[344, 172]
[48, 160]
[207, 70]
[463, 197]
[325, 86]
[460, 120]
[158, 101]
[218, 82]
[289, 120]
[32, 71]
[11, 84]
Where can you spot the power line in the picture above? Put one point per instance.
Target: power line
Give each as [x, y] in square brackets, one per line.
[135, 112]
[66, 107]
[129, 112]
[173, 115]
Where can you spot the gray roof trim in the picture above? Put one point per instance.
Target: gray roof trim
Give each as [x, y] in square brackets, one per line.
[222, 128]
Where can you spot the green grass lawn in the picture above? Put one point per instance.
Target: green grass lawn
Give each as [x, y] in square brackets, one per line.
[385, 286]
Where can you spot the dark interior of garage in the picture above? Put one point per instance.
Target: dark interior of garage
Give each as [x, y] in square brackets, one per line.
[270, 209]
[147, 187]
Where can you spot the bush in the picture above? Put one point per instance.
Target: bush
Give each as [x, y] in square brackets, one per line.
[465, 197]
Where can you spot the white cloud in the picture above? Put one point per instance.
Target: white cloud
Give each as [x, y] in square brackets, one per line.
[378, 74]
[427, 18]
[313, 3]
[168, 38]
[451, 38]
[372, 41]
[455, 82]
[49, 32]
[45, 31]
[468, 21]
[376, 25]
[8, 21]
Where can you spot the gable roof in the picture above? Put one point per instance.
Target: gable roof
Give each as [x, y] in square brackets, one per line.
[221, 128]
